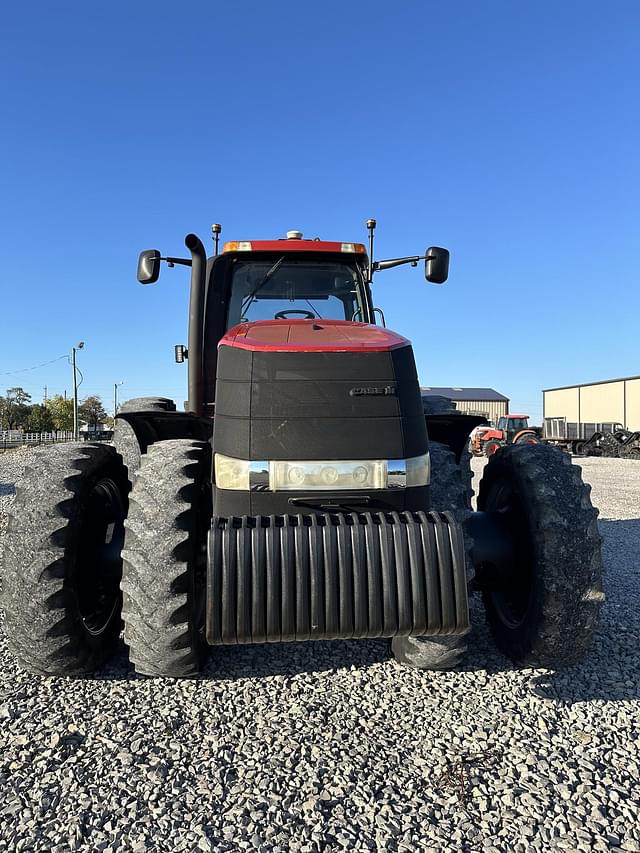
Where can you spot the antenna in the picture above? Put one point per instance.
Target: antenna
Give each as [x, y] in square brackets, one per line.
[371, 227]
[216, 228]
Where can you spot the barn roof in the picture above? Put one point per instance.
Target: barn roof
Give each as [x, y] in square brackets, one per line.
[467, 394]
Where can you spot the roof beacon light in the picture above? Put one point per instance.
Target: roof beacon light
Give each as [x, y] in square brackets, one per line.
[235, 246]
[294, 235]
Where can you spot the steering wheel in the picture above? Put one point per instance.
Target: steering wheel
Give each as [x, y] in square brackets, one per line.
[306, 315]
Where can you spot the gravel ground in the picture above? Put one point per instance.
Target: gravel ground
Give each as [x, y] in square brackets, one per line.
[332, 746]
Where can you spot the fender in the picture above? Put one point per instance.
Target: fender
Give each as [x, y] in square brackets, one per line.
[150, 427]
[453, 430]
[523, 433]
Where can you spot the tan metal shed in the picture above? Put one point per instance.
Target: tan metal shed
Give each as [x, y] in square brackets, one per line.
[609, 401]
[474, 401]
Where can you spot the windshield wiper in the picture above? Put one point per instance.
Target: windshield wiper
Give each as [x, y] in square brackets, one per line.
[265, 278]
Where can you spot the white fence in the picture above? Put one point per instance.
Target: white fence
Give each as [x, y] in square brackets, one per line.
[17, 438]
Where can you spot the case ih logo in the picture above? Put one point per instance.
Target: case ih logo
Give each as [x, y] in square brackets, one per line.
[386, 391]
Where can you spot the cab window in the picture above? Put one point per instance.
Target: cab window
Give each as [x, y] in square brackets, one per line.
[283, 288]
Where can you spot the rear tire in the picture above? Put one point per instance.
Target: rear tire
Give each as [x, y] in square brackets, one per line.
[127, 442]
[530, 438]
[164, 572]
[466, 473]
[491, 447]
[148, 404]
[127, 439]
[546, 614]
[62, 563]
[448, 493]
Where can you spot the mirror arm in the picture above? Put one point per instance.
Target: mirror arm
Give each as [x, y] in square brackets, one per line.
[171, 262]
[396, 262]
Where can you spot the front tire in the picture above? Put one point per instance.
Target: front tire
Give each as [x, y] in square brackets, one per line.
[164, 572]
[545, 613]
[62, 565]
[449, 492]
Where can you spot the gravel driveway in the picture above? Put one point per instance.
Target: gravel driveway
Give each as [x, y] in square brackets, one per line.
[332, 746]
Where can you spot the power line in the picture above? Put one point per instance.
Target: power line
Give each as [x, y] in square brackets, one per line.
[35, 367]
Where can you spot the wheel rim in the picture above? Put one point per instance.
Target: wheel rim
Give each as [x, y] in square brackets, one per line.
[99, 561]
[512, 601]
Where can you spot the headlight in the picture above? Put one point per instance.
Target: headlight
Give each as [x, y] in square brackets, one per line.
[325, 475]
[231, 473]
[419, 470]
[293, 476]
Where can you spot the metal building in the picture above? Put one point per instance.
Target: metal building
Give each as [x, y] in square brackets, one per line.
[474, 401]
[610, 401]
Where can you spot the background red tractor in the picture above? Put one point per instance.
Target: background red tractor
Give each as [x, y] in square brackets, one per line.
[511, 429]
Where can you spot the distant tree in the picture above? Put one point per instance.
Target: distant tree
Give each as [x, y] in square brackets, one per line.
[92, 411]
[15, 408]
[61, 412]
[40, 419]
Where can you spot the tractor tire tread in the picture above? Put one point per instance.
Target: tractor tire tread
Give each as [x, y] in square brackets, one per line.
[160, 555]
[41, 534]
[564, 530]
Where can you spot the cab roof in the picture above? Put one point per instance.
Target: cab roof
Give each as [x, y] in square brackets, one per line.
[289, 245]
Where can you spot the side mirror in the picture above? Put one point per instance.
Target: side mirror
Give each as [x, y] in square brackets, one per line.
[149, 266]
[436, 265]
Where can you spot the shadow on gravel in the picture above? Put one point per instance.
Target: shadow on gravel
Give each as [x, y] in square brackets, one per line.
[315, 656]
[277, 659]
[264, 661]
[611, 670]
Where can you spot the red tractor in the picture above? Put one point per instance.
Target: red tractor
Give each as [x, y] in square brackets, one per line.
[511, 429]
[307, 492]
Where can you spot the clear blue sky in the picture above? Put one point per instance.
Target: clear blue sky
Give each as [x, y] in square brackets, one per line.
[508, 132]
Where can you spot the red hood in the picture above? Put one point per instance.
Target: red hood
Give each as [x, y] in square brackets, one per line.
[312, 336]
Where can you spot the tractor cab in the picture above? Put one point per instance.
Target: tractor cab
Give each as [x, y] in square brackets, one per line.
[293, 278]
[511, 425]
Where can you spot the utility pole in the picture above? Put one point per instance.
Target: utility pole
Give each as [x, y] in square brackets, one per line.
[115, 400]
[75, 390]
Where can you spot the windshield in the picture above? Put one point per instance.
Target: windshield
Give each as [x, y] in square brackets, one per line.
[281, 288]
[518, 423]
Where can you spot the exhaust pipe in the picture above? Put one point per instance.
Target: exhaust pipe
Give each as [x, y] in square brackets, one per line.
[196, 322]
